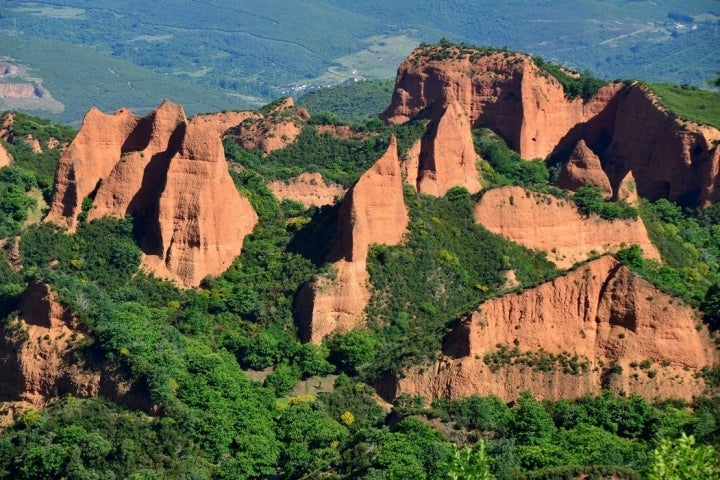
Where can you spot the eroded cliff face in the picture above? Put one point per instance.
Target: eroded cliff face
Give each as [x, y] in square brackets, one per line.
[171, 174]
[39, 358]
[623, 124]
[445, 156]
[599, 326]
[503, 90]
[583, 167]
[309, 189]
[554, 225]
[373, 211]
[670, 158]
[273, 131]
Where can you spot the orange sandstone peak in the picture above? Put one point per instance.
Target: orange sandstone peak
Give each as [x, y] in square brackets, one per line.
[446, 155]
[622, 123]
[554, 225]
[503, 90]
[601, 314]
[373, 211]
[583, 167]
[168, 172]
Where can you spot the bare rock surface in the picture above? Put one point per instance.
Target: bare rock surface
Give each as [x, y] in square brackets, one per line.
[554, 225]
[309, 189]
[618, 330]
[373, 211]
[171, 174]
[584, 167]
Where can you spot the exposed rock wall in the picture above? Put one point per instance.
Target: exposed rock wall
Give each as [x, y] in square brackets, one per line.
[273, 131]
[554, 225]
[583, 167]
[669, 158]
[309, 189]
[373, 211]
[505, 91]
[602, 313]
[40, 359]
[445, 157]
[171, 174]
[622, 123]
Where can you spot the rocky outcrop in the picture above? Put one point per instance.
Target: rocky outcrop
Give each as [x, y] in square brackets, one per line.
[583, 167]
[627, 190]
[599, 326]
[5, 158]
[623, 124]
[670, 158]
[193, 219]
[505, 91]
[445, 157]
[373, 211]
[554, 225]
[19, 90]
[41, 360]
[309, 189]
[272, 131]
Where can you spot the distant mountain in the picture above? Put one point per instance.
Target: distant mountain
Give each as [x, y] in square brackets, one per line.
[257, 50]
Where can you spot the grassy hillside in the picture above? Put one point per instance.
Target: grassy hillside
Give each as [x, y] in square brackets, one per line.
[702, 106]
[263, 49]
[80, 78]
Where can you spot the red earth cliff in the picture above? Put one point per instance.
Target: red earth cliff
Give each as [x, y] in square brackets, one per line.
[583, 167]
[505, 91]
[307, 188]
[373, 211]
[40, 359]
[445, 157]
[624, 124]
[272, 131]
[194, 219]
[554, 225]
[599, 326]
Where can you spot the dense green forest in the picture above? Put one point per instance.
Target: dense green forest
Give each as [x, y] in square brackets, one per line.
[196, 354]
[219, 54]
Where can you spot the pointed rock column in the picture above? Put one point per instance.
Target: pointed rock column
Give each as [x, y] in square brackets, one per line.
[373, 211]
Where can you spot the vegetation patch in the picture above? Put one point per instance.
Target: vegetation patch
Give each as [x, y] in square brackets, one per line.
[689, 102]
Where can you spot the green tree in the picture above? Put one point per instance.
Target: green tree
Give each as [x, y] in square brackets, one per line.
[530, 423]
[682, 459]
[469, 463]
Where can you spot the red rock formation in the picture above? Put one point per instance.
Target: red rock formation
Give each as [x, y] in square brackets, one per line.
[309, 189]
[583, 167]
[602, 313]
[373, 211]
[202, 218]
[40, 361]
[555, 226]
[627, 190]
[505, 91]
[273, 131]
[446, 155]
[38, 348]
[669, 158]
[168, 172]
[623, 124]
[5, 158]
